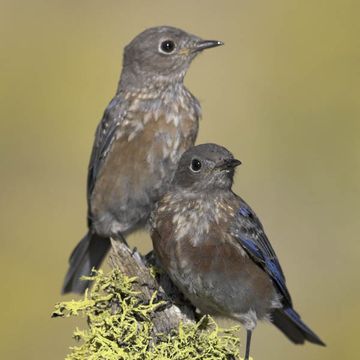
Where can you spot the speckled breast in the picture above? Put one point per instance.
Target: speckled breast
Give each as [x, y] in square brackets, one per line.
[141, 163]
[193, 242]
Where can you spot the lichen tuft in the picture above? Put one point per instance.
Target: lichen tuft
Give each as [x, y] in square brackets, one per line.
[120, 327]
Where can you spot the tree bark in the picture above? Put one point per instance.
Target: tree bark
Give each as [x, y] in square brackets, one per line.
[133, 264]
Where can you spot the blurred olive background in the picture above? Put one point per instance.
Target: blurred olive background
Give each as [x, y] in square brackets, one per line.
[282, 95]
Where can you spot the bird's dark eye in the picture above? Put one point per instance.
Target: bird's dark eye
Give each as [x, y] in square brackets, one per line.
[167, 46]
[195, 165]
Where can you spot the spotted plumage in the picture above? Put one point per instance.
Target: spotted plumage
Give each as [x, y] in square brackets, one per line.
[149, 123]
[214, 247]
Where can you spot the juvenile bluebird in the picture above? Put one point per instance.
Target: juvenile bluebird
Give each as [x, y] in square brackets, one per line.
[145, 129]
[214, 248]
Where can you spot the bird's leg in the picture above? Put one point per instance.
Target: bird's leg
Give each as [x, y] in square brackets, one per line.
[248, 341]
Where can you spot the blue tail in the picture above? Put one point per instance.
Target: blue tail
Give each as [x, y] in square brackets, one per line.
[290, 323]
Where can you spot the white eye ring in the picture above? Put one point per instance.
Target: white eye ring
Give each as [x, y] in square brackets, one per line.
[195, 165]
[167, 46]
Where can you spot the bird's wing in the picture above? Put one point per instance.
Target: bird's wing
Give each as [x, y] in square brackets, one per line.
[247, 229]
[105, 135]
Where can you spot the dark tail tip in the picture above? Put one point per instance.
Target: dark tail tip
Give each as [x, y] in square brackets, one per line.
[88, 253]
[289, 322]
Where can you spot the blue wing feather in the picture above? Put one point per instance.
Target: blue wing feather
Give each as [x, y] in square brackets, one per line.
[250, 233]
[248, 230]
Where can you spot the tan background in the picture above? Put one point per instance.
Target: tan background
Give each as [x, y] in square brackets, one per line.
[283, 95]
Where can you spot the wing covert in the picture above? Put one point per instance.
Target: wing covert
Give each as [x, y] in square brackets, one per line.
[248, 230]
[104, 137]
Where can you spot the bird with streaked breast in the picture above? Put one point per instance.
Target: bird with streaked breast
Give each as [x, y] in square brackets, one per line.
[145, 129]
[215, 250]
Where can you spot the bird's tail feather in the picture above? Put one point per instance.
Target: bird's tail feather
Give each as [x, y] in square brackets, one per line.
[290, 323]
[88, 253]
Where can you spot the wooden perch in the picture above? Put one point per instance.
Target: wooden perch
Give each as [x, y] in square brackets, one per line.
[132, 264]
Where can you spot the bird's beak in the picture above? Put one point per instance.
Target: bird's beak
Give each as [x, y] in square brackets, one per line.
[228, 164]
[206, 44]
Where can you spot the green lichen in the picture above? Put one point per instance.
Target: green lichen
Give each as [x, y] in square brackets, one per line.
[120, 327]
[193, 342]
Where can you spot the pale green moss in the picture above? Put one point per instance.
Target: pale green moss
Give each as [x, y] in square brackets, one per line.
[120, 327]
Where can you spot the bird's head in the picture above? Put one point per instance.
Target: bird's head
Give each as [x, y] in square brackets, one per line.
[206, 167]
[161, 53]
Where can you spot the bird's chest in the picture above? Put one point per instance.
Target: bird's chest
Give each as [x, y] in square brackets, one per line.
[147, 145]
[172, 134]
[158, 134]
[196, 221]
[196, 231]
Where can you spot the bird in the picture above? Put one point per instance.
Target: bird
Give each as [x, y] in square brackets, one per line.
[214, 248]
[149, 123]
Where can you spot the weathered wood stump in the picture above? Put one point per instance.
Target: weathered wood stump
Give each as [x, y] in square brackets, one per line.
[132, 264]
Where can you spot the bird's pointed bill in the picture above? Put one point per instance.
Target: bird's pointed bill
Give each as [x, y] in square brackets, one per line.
[207, 44]
[228, 164]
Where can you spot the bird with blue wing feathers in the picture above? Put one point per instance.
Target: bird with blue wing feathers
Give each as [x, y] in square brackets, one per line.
[215, 250]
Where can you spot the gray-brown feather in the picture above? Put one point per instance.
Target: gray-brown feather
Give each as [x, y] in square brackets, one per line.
[192, 238]
[147, 141]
